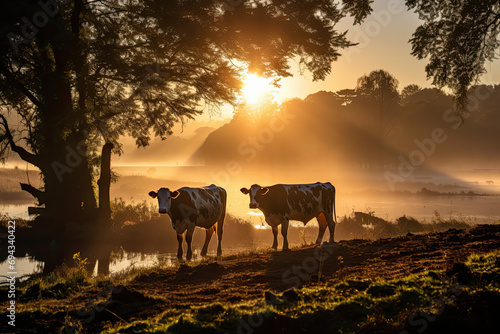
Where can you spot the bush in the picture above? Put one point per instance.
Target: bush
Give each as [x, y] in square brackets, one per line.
[139, 213]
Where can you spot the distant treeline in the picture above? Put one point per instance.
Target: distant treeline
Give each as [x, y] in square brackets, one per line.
[430, 193]
[364, 127]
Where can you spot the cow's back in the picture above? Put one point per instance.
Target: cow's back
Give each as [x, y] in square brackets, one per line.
[301, 202]
[201, 206]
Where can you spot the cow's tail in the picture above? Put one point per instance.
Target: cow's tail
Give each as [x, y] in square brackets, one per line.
[224, 201]
[334, 212]
[220, 221]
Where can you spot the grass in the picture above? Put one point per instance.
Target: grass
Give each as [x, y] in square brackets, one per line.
[355, 226]
[348, 306]
[67, 280]
[63, 282]
[352, 305]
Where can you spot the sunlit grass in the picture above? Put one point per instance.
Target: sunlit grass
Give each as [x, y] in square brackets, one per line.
[345, 306]
[62, 282]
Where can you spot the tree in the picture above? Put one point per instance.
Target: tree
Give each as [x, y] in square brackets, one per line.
[346, 95]
[260, 113]
[82, 73]
[410, 90]
[458, 37]
[379, 91]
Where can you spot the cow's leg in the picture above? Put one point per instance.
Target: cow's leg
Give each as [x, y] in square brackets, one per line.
[322, 226]
[189, 238]
[220, 227]
[331, 225]
[179, 250]
[284, 233]
[275, 234]
[210, 232]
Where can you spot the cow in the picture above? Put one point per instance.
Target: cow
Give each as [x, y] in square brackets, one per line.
[284, 202]
[191, 207]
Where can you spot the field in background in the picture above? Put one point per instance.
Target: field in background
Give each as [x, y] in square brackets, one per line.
[465, 197]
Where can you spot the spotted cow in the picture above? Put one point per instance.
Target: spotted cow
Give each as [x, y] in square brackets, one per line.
[191, 207]
[284, 202]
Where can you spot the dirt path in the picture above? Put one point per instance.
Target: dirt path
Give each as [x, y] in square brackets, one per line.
[242, 277]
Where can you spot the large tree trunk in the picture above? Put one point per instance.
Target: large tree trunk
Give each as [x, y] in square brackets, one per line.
[104, 184]
[68, 194]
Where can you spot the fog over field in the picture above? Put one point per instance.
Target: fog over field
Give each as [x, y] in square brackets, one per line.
[415, 158]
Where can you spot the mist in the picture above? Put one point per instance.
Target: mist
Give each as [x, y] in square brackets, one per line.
[413, 157]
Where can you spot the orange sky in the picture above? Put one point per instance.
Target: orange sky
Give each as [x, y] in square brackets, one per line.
[383, 44]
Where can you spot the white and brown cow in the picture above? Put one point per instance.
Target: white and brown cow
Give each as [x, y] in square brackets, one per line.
[284, 202]
[191, 207]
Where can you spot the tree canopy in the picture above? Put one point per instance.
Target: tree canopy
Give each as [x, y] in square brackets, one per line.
[378, 92]
[458, 37]
[409, 91]
[82, 73]
[77, 74]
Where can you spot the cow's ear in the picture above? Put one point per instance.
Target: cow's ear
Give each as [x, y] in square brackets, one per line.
[153, 194]
[264, 191]
[174, 194]
[245, 191]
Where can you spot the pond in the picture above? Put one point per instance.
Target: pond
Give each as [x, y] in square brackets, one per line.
[117, 260]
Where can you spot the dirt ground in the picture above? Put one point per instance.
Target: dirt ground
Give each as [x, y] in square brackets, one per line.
[242, 277]
[247, 276]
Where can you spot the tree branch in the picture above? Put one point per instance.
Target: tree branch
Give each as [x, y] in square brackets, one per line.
[21, 87]
[37, 193]
[23, 154]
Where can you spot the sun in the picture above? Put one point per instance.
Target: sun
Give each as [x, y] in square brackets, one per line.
[256, 87]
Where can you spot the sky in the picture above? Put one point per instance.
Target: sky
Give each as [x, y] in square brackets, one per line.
[383, 40]
[383, 44]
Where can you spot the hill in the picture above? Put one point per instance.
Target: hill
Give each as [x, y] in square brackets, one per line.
[333, 133]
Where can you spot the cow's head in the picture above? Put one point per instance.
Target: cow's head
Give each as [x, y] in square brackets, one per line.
[256, 192]
[165, 197]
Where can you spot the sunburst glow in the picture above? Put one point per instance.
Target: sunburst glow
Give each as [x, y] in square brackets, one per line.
[256, 87]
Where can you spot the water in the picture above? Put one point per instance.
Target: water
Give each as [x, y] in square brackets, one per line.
[15, 209]
[119, 261]
[26, 265]
[480, 209]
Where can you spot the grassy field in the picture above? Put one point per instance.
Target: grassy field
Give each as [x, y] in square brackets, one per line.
[436, 282]
[433, 300]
